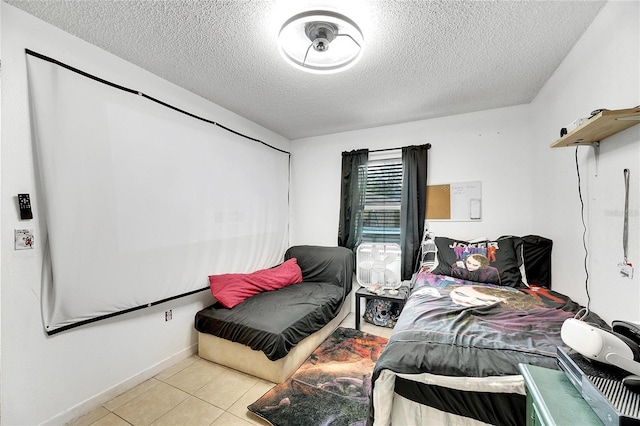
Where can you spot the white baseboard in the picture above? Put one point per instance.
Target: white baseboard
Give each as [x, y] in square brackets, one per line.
[107, 395]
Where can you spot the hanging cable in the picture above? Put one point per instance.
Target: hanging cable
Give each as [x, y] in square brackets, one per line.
[625, 230]
[584, 240]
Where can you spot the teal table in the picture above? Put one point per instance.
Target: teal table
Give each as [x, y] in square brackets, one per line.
[553, 400]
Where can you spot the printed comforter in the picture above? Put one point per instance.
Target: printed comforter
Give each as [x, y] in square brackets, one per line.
[456, 349]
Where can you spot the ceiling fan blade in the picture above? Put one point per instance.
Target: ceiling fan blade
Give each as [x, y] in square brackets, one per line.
[304, 61]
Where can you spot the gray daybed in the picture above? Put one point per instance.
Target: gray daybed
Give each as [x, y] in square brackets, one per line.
[270, 334]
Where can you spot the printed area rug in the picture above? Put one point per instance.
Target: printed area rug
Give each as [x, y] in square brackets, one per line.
[331, 388]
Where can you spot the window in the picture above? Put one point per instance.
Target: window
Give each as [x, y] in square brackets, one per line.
[389, 201]
[381, 216]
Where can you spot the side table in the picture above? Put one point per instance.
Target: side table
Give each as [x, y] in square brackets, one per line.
[362, 292]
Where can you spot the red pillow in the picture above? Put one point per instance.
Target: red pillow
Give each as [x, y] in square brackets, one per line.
[231, 289]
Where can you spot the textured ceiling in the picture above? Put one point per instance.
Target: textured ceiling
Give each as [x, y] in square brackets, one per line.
[422, 59]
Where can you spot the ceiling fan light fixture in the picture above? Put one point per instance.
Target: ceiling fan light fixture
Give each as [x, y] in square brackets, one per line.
[320, 41]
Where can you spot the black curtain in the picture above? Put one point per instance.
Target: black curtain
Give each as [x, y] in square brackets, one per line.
[352, 193]
[413, 205]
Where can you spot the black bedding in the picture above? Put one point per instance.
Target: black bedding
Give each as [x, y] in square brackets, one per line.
[275, 321]
[302, 311]
[456, 328]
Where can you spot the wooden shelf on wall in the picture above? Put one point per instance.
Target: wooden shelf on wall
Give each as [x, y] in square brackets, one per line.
[599, 127]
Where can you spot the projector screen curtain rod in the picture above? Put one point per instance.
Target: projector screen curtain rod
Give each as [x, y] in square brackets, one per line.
[136, 92]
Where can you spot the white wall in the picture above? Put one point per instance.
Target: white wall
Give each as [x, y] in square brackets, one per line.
[53, 379]
[526, 186]
[489, 146]
[602, 71]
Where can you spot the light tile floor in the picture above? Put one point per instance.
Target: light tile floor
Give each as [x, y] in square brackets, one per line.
[193, 392]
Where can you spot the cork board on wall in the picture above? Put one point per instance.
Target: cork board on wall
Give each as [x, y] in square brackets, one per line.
[439, 201]
[461, 201]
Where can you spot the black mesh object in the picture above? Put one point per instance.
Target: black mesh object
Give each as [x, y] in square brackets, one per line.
[537, 260]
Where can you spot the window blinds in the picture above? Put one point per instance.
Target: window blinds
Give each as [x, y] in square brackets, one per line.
[381, 216]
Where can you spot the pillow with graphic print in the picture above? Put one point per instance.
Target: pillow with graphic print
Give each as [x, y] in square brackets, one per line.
[494, 262]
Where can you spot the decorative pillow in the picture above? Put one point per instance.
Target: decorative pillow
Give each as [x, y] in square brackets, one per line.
[494, 262]
[231, 289]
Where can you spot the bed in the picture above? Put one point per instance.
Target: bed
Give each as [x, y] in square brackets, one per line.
[453, 355]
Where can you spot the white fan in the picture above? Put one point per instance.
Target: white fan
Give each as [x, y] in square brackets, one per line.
[379, 264]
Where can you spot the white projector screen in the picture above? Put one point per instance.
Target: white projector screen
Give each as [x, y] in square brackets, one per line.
[142, 202]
